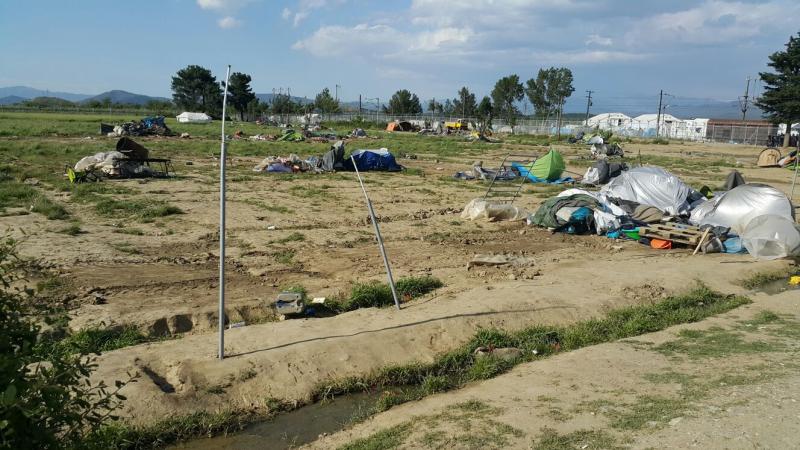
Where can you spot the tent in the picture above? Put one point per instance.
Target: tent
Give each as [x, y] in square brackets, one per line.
[291, 136]
[769, 157]
[399, 126]
[549, 167]
[193, 117]
[373, 160]
[735, 208]
[652, 186]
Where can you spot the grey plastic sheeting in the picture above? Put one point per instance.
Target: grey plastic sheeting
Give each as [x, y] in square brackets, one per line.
[771, 237]
[737, 207]
[651, 186]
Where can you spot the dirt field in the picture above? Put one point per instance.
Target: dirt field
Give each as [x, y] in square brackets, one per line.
[158, 272]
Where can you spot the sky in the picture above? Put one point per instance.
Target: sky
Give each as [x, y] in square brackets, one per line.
[618, 48]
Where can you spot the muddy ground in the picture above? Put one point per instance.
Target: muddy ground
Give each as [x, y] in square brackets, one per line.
[308, 230]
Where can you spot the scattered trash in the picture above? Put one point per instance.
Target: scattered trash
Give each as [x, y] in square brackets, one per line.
[236, 325]
[504, 353]
[318, 300]
[193, 117]
[481, 209]
[500, 260]
[148, 126]
[289, 303]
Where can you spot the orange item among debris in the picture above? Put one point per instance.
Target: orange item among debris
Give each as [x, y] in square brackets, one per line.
[660, 244]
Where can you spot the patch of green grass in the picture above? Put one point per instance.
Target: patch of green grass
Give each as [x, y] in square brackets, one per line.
[17, 194]
[760, 279]
[550, 439]
[143, 209]
[310, 191]
[377, 294]
[125, 247]
[649, 410]
[73, 229]
[389, 438]
[96, 340]
[413, 171]
[284, 256]
[294, 237]
[714, 343]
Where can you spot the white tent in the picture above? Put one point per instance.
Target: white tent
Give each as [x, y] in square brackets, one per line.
[193, 117]
[609, 121]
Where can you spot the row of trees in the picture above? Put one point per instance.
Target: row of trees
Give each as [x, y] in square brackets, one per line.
[196, 89]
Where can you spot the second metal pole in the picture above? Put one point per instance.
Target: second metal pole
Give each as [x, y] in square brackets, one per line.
[222, 161]
[378, 235]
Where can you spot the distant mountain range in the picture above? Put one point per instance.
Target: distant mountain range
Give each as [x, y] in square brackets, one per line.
[681, 107]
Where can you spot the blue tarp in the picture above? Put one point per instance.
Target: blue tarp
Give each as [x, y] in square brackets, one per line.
[374, 160]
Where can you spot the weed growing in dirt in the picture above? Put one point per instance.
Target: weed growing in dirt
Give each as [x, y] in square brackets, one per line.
[377, 294]
[142, 209]
[125, 247]
[385, 439]
[294, 237]
[130, 231]
[284, 256]
[761, 279]
[551, 439]
[14, 193]
[73, 229]
[714, 343]
[95, 340]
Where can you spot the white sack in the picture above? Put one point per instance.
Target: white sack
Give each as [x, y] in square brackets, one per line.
[479, 208]
[771, 237]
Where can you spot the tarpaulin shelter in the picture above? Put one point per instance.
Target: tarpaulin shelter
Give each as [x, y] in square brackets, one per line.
[334, 158]
[735, 208]
[291, 136]
[379, 159]
[652, 186]
[771, 237]
[399, 126]
[193, 117]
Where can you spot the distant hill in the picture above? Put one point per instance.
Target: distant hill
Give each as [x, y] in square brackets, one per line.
[48, 102]
[26, 92]
[124, 97]
[11, 99]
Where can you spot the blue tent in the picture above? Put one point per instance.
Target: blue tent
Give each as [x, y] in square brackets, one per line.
[373, 160]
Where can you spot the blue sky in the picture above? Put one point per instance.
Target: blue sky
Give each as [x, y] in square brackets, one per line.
[619, 48]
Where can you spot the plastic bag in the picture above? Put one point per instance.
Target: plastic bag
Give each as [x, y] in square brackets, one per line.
[479, 208]
[771, 237]
[735, 208]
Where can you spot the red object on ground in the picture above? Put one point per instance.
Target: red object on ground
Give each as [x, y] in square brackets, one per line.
[660, 244]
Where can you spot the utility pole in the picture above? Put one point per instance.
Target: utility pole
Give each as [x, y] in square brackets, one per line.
[658, 117]
[588, 105]
[743, 101]
[337, 92]
[359, 103]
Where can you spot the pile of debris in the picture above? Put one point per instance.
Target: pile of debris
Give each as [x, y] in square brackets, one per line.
[148, 126]
[128, 160]
[332, 160]
[654, 207]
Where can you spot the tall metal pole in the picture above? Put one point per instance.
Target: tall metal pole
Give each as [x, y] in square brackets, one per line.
[588, 104]
[222, 161]
[377, 234]
[658, 117]
[745, 99]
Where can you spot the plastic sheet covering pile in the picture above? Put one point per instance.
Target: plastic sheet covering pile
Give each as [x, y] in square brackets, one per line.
[771, 237]
[651, 186]
[735, 208]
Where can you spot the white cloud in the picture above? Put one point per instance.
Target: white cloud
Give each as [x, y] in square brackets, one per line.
[596, 39]
[714, 22]
[228, 22]
[222, 5]
[303, 10]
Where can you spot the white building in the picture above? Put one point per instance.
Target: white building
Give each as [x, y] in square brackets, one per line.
[647, 124]
[609, 121]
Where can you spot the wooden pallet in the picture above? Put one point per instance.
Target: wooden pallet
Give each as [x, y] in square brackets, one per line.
[683, 234]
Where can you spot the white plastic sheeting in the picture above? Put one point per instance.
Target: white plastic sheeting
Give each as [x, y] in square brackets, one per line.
[603, 220]
[193, 117]
[652, 186]
[480, 209]
[735, 208]
[771, 237]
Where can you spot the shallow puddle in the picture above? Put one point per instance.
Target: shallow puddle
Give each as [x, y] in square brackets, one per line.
[292, 429]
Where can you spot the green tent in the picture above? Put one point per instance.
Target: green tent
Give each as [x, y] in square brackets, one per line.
[549, 167]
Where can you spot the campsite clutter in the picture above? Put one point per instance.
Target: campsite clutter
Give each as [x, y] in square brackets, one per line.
[128, 160]
[333, 160]
[649, 205]
[148, 126]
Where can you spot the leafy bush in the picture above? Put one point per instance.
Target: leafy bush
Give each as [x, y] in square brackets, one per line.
[45, 403]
